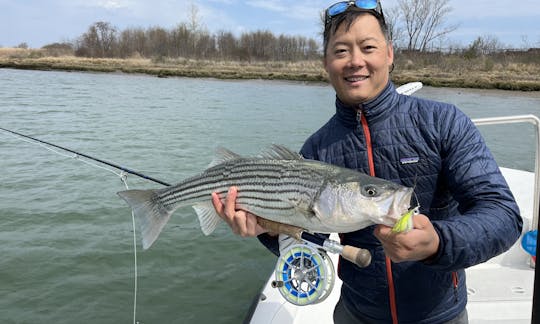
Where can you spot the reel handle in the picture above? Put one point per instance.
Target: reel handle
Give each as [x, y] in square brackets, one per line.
[358, 256]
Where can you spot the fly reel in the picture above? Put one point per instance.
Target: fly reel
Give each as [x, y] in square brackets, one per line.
[304, 274]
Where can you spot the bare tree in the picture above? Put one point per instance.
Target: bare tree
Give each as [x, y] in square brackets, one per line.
[226, 44]
[482, 46]
[206, 46]
[200, 37]
[157, 40]
[181, 39]
[98, 41]
[133, 42]
[425, 21]
[194, 20]
[392, 16]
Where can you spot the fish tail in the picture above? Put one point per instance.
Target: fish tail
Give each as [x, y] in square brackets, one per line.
[150, 213]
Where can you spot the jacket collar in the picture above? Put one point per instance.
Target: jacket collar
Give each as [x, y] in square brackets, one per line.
[375, 109]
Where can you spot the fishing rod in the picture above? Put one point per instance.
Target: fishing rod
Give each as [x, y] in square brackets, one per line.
[361, 257]
[116, 166]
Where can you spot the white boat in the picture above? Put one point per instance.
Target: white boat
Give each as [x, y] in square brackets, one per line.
[499, 291]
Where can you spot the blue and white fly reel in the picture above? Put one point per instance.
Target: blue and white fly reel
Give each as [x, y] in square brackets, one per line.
[304, 274]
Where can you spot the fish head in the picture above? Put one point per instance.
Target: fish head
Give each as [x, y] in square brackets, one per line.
[386, 202]
[352, 205]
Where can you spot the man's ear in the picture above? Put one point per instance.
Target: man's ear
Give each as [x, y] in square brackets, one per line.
[390, 53]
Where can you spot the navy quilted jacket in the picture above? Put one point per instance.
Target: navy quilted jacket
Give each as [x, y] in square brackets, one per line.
[436, 149]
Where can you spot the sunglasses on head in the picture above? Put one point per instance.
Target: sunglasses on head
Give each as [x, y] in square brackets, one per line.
[340, 7]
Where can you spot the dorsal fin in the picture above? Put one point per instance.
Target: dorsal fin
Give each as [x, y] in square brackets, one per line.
[279, 152]
[223, 155]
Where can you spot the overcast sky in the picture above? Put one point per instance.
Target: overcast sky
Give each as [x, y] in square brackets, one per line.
[41, 22]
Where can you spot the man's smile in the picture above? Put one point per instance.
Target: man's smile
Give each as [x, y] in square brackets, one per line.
[356, 78]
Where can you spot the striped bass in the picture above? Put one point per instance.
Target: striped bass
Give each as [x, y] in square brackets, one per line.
[278, 185]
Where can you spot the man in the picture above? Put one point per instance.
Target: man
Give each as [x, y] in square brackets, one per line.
[467, 213]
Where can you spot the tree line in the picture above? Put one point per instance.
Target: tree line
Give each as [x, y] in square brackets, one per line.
[104, 40]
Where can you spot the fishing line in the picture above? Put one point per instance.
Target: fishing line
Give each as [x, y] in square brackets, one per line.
[123, 178]
[122, 175]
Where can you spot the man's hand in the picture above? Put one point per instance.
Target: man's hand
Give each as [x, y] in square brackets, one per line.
[421, 243]
[241, 222]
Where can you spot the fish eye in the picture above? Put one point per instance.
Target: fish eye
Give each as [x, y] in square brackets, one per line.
[370, 191]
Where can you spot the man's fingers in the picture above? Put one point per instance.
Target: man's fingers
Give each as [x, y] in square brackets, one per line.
[241, 222]
[230, 202]
[251, 224]
[218, 205]
[421, 221]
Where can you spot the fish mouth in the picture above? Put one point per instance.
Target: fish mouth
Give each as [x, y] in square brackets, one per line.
[400, 204]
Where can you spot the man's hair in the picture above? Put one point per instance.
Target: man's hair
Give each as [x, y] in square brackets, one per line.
[348, 17]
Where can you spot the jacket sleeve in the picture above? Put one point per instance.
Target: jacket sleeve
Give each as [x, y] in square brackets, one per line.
[488, 222]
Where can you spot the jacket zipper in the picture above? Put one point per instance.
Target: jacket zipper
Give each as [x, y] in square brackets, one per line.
[361, 118]
[455, 281]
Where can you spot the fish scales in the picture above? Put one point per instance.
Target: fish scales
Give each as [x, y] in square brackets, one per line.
[261, 181]
[244, 175]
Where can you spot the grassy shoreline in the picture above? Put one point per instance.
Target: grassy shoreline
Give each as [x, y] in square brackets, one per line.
[514, 76]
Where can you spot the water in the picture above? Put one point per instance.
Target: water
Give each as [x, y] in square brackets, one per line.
[66, 238]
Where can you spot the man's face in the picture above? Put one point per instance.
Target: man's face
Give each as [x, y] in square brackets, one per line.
[358, 60]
